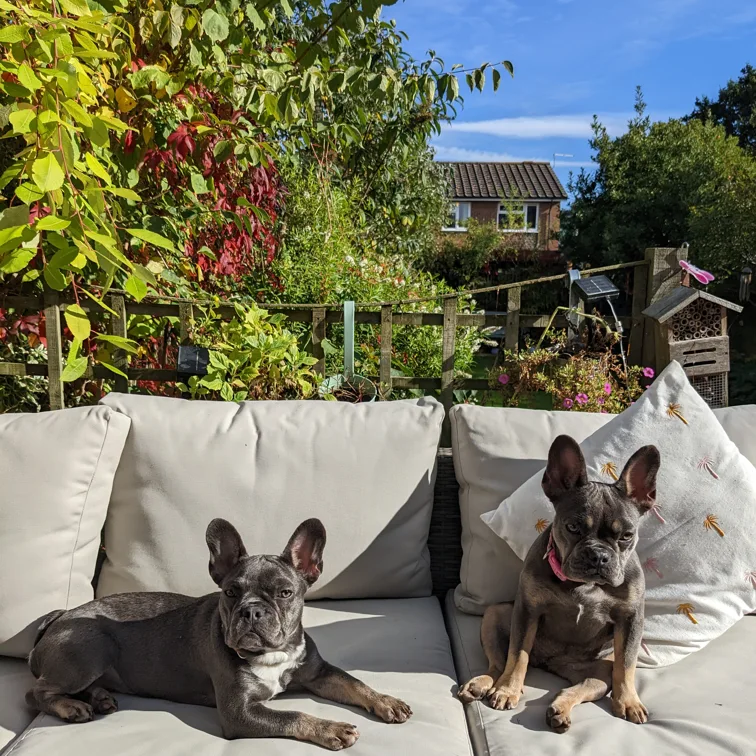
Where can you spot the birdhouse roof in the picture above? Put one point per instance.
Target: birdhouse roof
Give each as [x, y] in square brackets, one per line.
[679, 299]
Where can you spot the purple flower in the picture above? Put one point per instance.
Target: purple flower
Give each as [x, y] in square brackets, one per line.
[648, 372]
[567, 403]
[582, 398]
[504, 379]
[604, 412]
[607, 388]
[601, 400]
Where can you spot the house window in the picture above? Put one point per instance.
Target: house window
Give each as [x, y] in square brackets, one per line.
[459, 215]
[518, 217]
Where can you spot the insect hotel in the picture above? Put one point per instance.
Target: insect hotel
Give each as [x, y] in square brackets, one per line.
[691, 327]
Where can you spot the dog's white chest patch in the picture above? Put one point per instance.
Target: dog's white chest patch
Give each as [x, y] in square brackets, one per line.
[271, 668]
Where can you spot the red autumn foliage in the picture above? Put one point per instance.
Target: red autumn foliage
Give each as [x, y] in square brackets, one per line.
[238, 248]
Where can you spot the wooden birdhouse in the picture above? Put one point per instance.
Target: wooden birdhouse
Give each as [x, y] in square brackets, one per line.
[692, 329]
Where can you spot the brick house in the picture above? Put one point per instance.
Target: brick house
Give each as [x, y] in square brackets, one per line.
[523, 199]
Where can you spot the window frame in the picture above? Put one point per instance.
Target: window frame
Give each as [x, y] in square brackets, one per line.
[456, 205]
[524, 229]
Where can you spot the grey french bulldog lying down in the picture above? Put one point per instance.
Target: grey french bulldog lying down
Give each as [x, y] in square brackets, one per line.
[233, 650]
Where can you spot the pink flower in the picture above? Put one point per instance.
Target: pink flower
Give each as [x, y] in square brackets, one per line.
[582, 398]
[567, 403]
[648, 372]
[607, 388]
[601, 400]
[504, 379]
[604, 412]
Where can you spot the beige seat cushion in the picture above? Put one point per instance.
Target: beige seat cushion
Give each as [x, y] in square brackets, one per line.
[56, 475]
[700, 706]
[399, 647]
[15, 716]
[497, 450]
[367, 471]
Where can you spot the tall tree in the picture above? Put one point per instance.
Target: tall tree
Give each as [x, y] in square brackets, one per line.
[734, 108]
[662, 184]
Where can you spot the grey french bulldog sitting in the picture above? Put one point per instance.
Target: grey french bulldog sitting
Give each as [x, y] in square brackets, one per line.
[234, 650]
[581, 591]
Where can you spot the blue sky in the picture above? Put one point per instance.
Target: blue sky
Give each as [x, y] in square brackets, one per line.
[574, 58]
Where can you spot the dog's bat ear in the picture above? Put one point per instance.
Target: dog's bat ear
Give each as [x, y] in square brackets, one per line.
[638, 479]
[565, 469]
[305, 549]
[226, 548]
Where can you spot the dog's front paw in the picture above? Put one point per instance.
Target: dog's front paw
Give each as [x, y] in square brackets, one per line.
[504, 697]
[475, 689]
[102, 702]
[335, 736]
[71, 710]
[629, 707]
[391, 710]
[558, 718]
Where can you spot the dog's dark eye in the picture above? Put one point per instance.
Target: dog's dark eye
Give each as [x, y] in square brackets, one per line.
[572, 528]
[230, 593]
[286, 593]
[627, 536]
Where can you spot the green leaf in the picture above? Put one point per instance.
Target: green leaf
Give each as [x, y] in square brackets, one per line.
[177, 25]
[51, 223]
[214, 25]
[74, 369]
[227, 393]
[112, 368]
[145, 274]
[136, 287]
[75, 7]
[223, 149]
[508, 65]
[54, 278]
[128, 345]
[119, 191]
[152, 238]
[21, 120]
[254, 17]
[78, 113]
[98, 134]
[199, 185]
[99, 302]
[97, 167]
[77, 321]
[16, 260]
[28, 78]
[18, 215]
[496, 79]
[195, 57]
[13, 33]
[47, 173]
[28, 193]
[287, 8]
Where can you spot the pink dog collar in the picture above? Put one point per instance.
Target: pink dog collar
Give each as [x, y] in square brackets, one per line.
[553, 559]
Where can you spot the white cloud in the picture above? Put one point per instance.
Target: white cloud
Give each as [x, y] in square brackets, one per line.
[460, 154]
[542, 127]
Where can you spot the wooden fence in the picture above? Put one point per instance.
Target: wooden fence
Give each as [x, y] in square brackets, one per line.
[653, 277]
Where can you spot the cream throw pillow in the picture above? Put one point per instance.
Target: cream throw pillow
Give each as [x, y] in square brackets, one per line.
[698, 544]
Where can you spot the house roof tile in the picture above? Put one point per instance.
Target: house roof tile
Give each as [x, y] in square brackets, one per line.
[527, 180]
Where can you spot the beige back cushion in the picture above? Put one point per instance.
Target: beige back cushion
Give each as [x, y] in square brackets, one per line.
[497, 450]
[367, 471]
[56, 476]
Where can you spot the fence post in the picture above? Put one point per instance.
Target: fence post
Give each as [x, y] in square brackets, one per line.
[318, 334]
[186, 323]
[118, 328]
[663, 276]
[54, 351]
[448, 349]
[386, 336]
[512, 333]
[640, 286]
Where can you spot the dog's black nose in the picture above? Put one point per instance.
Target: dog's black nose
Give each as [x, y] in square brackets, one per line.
[598, 557]
[252, 612]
